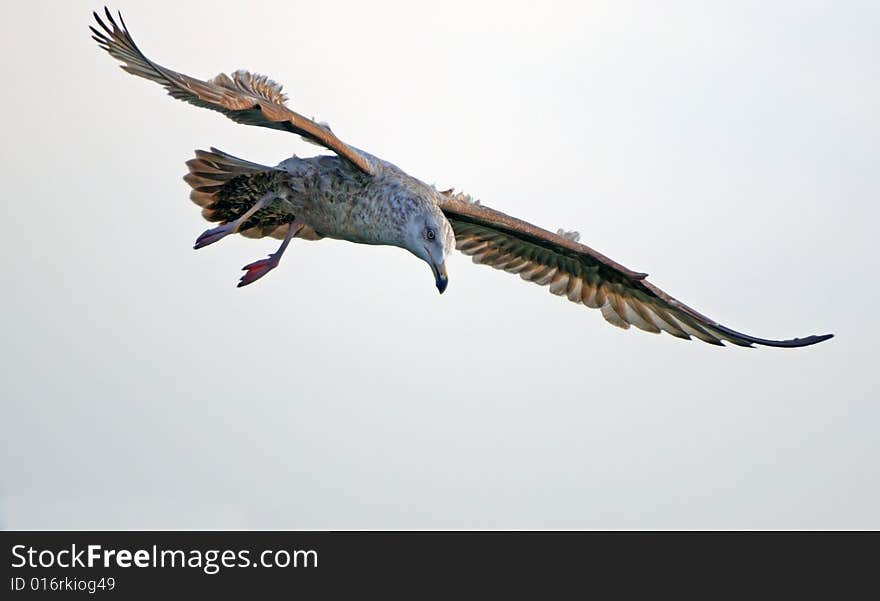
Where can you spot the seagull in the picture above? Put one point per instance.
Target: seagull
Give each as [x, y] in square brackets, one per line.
[355, 196]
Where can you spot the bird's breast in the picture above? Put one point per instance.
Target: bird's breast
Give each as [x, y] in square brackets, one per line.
[344, 209]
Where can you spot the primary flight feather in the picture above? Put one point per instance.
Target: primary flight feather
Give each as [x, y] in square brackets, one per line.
[357, 197]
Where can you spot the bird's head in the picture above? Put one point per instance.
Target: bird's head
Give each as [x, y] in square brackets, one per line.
[429, 236]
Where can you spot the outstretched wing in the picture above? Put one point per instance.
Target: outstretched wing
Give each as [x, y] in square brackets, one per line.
[245, 97]
[583, 275]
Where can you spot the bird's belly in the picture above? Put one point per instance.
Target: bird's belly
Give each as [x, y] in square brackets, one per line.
[343, 218]
[338, 201]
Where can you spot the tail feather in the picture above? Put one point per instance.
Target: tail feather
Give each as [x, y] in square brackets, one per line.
[225, 187]
[211, 170]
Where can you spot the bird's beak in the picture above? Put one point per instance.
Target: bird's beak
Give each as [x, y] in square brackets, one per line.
[440, 275]
[439, 270]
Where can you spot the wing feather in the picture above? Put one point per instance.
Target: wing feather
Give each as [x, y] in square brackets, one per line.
[245, 97]
[579, 273]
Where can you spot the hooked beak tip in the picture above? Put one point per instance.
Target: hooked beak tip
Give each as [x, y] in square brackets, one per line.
[440, 277]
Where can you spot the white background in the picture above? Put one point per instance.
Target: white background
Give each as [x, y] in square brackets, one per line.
[730, 149]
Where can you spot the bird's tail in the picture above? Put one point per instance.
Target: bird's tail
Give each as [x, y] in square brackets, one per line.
[226, 187]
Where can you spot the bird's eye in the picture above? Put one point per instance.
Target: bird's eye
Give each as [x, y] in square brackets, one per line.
[429, 234]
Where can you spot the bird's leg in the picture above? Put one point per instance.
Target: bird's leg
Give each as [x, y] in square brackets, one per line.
[258, 269]
[213, 235]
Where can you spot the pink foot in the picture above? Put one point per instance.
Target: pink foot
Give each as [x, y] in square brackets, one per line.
[211, 236]
[257, 269]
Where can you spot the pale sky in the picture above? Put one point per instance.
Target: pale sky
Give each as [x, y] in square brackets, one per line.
[728, 149]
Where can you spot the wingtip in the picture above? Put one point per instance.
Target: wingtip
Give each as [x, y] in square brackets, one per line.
[809, 340]
[791, 343]
[819, 338]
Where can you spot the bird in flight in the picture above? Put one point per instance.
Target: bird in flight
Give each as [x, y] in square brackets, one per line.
[358, 197]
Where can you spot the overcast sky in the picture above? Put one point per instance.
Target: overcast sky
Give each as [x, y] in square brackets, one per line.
[728, 149]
